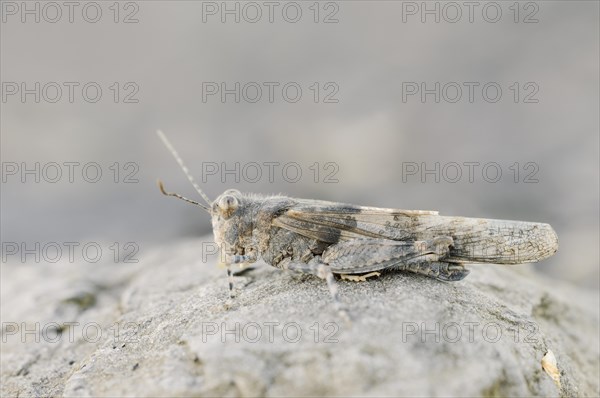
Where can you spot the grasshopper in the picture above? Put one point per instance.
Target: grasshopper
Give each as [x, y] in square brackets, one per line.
[327, 238]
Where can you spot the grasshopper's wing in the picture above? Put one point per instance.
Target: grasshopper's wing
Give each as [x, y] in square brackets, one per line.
[475, 240]
[332, 222]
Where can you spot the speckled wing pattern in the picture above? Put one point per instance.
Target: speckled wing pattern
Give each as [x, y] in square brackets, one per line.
[476, 240]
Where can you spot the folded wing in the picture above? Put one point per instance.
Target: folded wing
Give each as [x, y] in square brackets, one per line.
[475, 240]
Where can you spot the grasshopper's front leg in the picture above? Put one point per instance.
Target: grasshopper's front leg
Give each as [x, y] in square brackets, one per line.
[231, 259]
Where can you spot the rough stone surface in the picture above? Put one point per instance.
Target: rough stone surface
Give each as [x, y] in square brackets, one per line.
[158, 318]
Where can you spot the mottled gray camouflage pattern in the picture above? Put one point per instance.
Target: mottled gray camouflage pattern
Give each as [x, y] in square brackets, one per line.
[325, 237]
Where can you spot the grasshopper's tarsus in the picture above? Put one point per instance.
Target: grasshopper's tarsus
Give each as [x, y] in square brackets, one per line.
[323, 271]
[230, 280]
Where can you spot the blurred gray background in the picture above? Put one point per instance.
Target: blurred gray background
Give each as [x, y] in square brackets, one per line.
[369, 133]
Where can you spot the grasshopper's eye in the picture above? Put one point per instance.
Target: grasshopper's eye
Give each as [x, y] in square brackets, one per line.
[228, 204]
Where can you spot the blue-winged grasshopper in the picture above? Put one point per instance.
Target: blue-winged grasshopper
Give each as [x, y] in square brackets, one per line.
[328, 238]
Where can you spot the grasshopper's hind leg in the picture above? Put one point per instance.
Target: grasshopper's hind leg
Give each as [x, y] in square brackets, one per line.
[443, 271]
[360, 256]
[452, 272]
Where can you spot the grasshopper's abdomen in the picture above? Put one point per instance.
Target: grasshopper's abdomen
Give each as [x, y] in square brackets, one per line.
[491, 241]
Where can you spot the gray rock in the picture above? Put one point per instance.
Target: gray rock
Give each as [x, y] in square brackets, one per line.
[165, 331]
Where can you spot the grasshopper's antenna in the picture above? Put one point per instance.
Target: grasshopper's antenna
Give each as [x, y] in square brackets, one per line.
[185, 170]
[162, 189]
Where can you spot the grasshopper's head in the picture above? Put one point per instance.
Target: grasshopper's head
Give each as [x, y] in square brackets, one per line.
[231, 223]
[231, 229]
